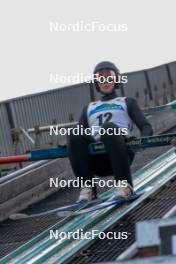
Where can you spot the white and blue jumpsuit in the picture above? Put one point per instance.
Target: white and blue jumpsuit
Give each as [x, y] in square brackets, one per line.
[109, 112]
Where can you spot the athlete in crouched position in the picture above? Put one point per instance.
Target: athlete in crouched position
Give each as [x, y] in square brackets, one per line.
[110, 112]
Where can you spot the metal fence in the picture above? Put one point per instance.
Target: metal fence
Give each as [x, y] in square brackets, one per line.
[6, 143]
[150, 87]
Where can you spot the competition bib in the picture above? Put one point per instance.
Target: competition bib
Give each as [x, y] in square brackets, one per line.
[114, 111]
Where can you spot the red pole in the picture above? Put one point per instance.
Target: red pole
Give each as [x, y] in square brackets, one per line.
[11, 159]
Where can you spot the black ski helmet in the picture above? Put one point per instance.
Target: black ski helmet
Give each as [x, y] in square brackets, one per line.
[106, 65]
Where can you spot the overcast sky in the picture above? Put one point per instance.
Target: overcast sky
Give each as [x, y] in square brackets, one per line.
[30, 52]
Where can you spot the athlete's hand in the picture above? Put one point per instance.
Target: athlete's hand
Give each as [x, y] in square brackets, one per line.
[97, 137]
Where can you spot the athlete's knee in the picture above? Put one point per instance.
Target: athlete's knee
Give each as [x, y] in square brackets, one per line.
[112, 137]
[108, 130]
[111, 131]
[107, 125]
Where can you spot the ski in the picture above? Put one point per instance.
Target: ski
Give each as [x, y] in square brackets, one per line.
[94, 148]
[138, 143]
[118, 201]
[65, 210]
[83, 206]
[156, 109]
[98, 147]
